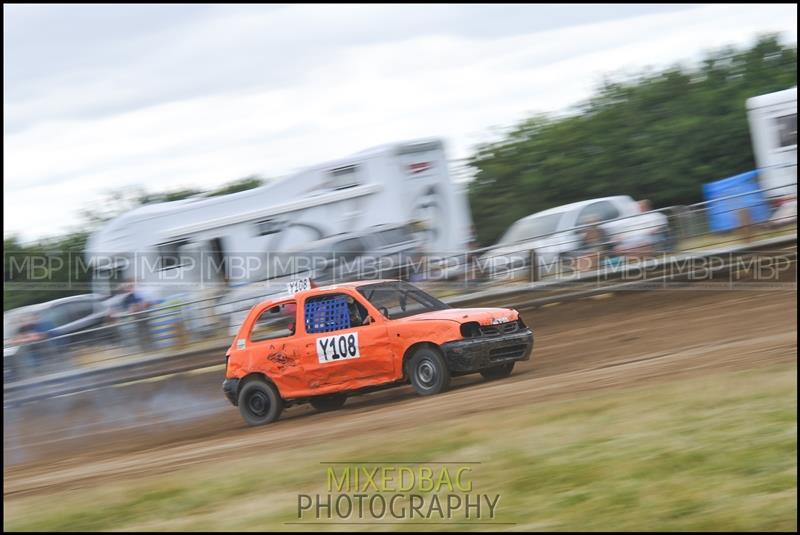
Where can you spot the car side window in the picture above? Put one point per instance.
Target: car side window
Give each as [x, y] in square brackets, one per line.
[278, 321]
[57, 315]
[598, 211]
[79, 310]
[333, 312]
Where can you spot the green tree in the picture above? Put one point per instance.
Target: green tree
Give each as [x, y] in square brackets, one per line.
[249, 182]
[169, 196]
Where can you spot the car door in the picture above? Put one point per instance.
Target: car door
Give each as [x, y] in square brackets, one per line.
[340, 349]
[599, 213]
[274, 346]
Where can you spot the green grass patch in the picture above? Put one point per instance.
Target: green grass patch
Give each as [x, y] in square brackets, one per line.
[713, 453]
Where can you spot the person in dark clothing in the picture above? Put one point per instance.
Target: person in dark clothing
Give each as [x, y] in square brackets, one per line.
[133, 321]
[32, 336]
[358, 314]
[131, 301]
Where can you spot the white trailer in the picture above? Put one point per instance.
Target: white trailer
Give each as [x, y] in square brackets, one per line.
[179, 246]
[773, 129]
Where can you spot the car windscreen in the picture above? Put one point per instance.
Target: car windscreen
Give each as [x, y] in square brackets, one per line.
[399, 299]
[527, 229]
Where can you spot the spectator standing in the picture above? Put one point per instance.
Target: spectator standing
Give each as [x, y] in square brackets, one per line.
[595, 244]
[32, 338]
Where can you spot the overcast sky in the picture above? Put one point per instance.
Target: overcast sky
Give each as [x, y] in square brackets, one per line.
[101, 97]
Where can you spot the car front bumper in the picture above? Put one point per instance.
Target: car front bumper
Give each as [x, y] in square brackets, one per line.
[481, 352]
[231, 389]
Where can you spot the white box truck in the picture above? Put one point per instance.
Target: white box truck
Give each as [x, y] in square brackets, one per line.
[773, 129]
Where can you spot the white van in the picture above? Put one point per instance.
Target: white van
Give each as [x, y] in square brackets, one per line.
[773, 129]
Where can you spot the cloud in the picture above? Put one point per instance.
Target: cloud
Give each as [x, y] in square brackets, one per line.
[106, 59]
[205, 95]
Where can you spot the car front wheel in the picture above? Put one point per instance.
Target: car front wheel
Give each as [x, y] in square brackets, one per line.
[428, 372]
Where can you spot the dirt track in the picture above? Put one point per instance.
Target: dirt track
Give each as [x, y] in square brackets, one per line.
[152, 427]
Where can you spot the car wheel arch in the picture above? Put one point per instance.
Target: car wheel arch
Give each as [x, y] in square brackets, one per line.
[257, 376]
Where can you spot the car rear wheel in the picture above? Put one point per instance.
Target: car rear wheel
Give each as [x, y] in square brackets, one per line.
[498, 372]
[428, 372]
[260, 403]
[331, 402]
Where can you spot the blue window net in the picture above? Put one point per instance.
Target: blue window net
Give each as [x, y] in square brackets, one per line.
[327, 314]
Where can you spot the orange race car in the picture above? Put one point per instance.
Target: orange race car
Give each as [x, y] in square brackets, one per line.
[320, 345]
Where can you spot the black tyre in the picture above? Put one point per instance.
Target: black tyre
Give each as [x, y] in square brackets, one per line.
[498, 372]
[259, 402]
[428, 372]
[330, 402]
